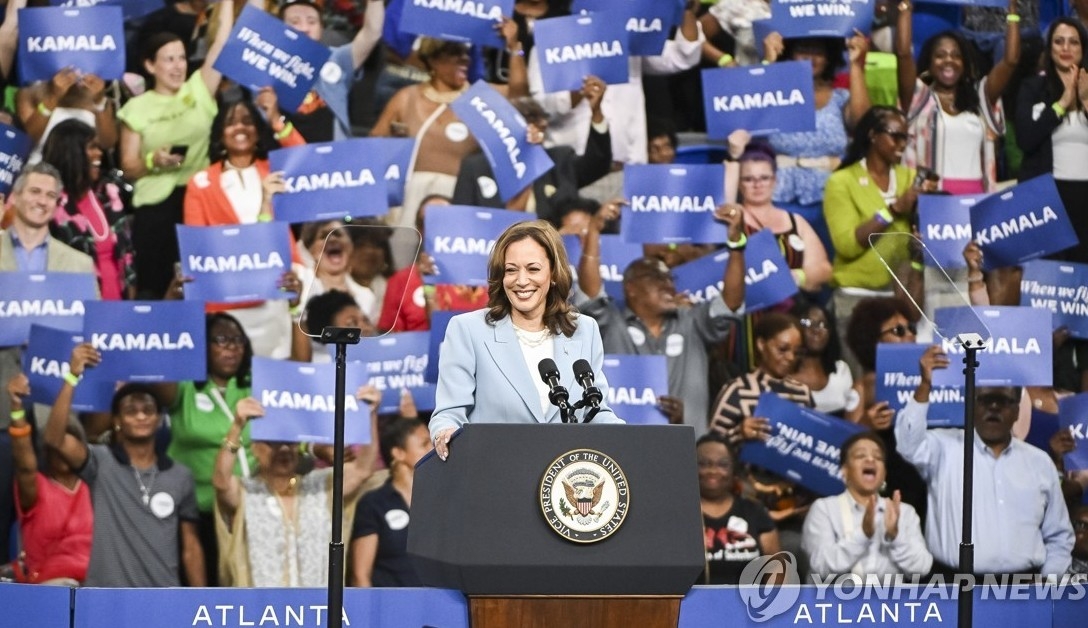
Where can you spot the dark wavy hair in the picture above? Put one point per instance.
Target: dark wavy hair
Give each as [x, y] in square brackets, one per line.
[834, 49]
[321, 309]
[832, 352]
[875, 119]
[266, 139]
[558, 313]
[66, 150]
[150, 49]
[863, 332]
[246, 365]
[395, 434]
[1054, 85]
[967, 87]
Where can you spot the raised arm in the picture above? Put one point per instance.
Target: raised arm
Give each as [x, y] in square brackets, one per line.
[9, 36]
[362, 467]
[210, 75]
[22, 447]
[370, 34]
[858, 47]
[913, 440]
[517, 81]
[906, 70]
[589, 265]
[228, 488]
[72, 450]
[1002, 72]
[733, 276]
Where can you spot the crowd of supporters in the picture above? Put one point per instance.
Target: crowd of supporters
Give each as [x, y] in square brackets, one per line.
[168, 488]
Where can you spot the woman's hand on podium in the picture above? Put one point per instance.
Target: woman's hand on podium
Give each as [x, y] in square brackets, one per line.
[442, 443]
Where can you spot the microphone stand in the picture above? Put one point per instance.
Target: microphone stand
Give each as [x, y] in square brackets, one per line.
[965, 608]
[341, 337]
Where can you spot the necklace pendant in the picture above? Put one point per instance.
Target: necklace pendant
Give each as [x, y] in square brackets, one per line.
[147, 500]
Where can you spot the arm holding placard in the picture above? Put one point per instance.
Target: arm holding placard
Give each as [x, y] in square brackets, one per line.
[228, 488]
[9, 37]
[22, 447]
[914, 441]
[517, 83]
[362, 466]
[1002, 72]
[370, 34]
[857, 47]
[208, 73]
[72, 450]
[906, 69]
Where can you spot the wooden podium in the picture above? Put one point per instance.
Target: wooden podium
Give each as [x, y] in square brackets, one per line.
[479, 526]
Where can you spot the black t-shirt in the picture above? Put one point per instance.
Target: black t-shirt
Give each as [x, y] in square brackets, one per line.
[314, 119]
[732, 540]
[384, 512]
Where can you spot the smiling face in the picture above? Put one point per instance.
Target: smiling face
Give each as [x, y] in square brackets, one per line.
[816, 328]
[864, 471]
[168, 68]
[715, 470]
[756, 182]
[661, 150]
[305, 18]
[332, 246]
[889, 140]
[946, 65]
[93, 150]
[1066, 48]
[527, 277]
[778, 355]
[996, 410]
[239, 132]
[37, 201]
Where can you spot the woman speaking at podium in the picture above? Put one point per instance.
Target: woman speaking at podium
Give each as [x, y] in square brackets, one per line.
[489, 359]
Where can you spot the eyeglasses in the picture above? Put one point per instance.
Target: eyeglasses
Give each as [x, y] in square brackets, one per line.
[1080, 526]
[706, 463]
[763, 178]
[900, 330]
[898, 136]
[228, 341]
[808, 323]
[998, 401]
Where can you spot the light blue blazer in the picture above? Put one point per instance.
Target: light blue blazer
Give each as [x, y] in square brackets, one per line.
[483, 378]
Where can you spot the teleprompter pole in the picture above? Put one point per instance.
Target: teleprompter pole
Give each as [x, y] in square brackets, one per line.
[971, 344]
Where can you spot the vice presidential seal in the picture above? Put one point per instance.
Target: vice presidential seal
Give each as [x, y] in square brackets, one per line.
[584, 495]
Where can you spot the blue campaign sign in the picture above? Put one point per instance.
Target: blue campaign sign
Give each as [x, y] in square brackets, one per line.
[767, 279]
[1019, 352]
[440, 320]
[457, 20]
[945, 224]
[91, 40]
[1042, 428]
[147, 341]
[897, 375]
[263, 51]
[673, 203]
[330, 180]
[51, 299]
[130, 9]
[398, 154]
[803, 446]
[35, 605]
[45, 361]
[459, 239]
[573, 47]
[128, 608]
[14, 148]
[235, 263]
[616, 255]
[821, 18]
[647, 22]
[299, 399]
[1061, 288]
[501, 132]
[635, 382]
[1024, 222]
[396, 363]
[765, 99]
[1073, 416]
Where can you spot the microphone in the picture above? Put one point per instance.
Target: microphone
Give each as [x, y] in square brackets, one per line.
[591, 396]
[558, 395]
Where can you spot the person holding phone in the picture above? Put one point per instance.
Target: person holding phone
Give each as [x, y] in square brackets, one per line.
[164, 142]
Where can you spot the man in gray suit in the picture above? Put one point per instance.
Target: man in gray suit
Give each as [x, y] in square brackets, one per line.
[27, 247]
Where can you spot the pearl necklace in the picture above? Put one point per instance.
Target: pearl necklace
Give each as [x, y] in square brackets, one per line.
[441, 98]
[532, 339]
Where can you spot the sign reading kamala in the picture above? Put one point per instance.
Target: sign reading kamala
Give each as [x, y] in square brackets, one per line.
[1022, 223]
[396, 363]
[803, 447]
[299, 399]
[456, 20]
[775, 98]
[1061, 288]
[501, 131]
[821, 18]
[45, 361]
[1073, 416]
[235, 263]
[398, 154]
[648, 22]
[147, 341]
[263, 51]
[897, 375]
[52, 299]
[459, 239]
[945, 225]
[130, 9]
[575, 46]
[767, 279]
[330, 180]
[673, 203]
[1018, 353]
[616, 255]
[635, 382]
[14, 147]
[90, 40]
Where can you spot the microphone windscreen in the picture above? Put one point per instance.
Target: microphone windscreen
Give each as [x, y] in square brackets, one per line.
[547, 369]
[582, 369]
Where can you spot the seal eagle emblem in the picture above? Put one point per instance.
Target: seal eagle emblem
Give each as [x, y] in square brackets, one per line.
[584, 495]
